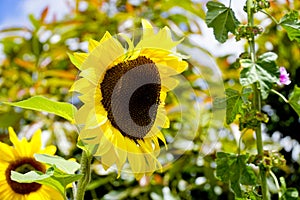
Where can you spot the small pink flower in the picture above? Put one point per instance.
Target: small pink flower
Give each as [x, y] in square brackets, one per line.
[284, 77]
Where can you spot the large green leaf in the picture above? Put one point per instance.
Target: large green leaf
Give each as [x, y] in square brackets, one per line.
[40, 103]
[221, 19]
[39, 177]
[264, 71]
[291, 24]
[233, 169]
[294, 100]
[53, 177]
[67, 166]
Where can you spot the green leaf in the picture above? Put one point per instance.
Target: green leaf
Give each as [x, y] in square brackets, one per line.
[294, 100]
[67, 166]
[291, 24]
[74, 60]
[64, 178]
[38, 177]
[40, 103]
[221, 19]
[53, 178]
[234, 103]
[264, 71]
[290, 194]
[30, 177]
[233, 169]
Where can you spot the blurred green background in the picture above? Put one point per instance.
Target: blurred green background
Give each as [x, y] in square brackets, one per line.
[35, 62]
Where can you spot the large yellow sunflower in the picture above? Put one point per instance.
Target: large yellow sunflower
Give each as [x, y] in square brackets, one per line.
[20, 158]
[123, 92]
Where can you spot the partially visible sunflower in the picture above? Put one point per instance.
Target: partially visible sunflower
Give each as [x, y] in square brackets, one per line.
[123, 94]
[20, 158]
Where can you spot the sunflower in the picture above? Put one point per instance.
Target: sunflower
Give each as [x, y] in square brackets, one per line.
[123, 91]
[20, 158]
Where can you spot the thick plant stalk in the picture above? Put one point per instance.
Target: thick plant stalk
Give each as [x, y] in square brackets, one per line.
[85, 169]
[257, 107]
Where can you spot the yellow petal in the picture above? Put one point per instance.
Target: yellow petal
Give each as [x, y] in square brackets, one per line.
[90, 136]
[92, 45]
[129, 42]
[35, 195]
[36, 142]
[90, 74]
[7, 153]
[81, 85]
[108, 159]
[16, 142]
[105, 144]
[161, 40]
[135, 158]
[77, 59]
[147, 28]
[162, 138]
[105, 37]
[51, 149]
[120, 150]
[162, 120]
[53, 193]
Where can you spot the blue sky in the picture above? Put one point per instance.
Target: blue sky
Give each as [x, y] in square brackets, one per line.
[15, 12]
[9, 10]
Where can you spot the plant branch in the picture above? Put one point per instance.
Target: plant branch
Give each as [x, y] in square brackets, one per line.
[276, 184]
[257, 105]
[279, 94]
[85, 169]
[273, 19]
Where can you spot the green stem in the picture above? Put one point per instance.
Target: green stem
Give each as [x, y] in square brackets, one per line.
[257, 106]
[85, 169]
[240, 141]
[283, 97]
[276, 184]
[274, 20]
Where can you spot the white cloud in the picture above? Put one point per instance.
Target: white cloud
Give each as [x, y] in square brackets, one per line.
[56, 7]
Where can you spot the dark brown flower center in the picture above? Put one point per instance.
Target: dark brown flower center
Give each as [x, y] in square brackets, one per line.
[23, 166]
[131, 91]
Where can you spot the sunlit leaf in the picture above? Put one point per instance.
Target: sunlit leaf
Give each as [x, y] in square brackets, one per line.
[39, 177]
[221, 19]
[67, 166]
[264, 71]
[233, 169]
[234, 102]
[291, 24]
[40, 103]
[53, 178]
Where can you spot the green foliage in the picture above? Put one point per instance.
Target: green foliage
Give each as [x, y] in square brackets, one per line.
[233, 169]
[288, 193]
[40, 103]
[221, 19]
[67, 166]
[294, 100]
[236, 103]
[53, 178]
[291, 24]
[264, 71]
